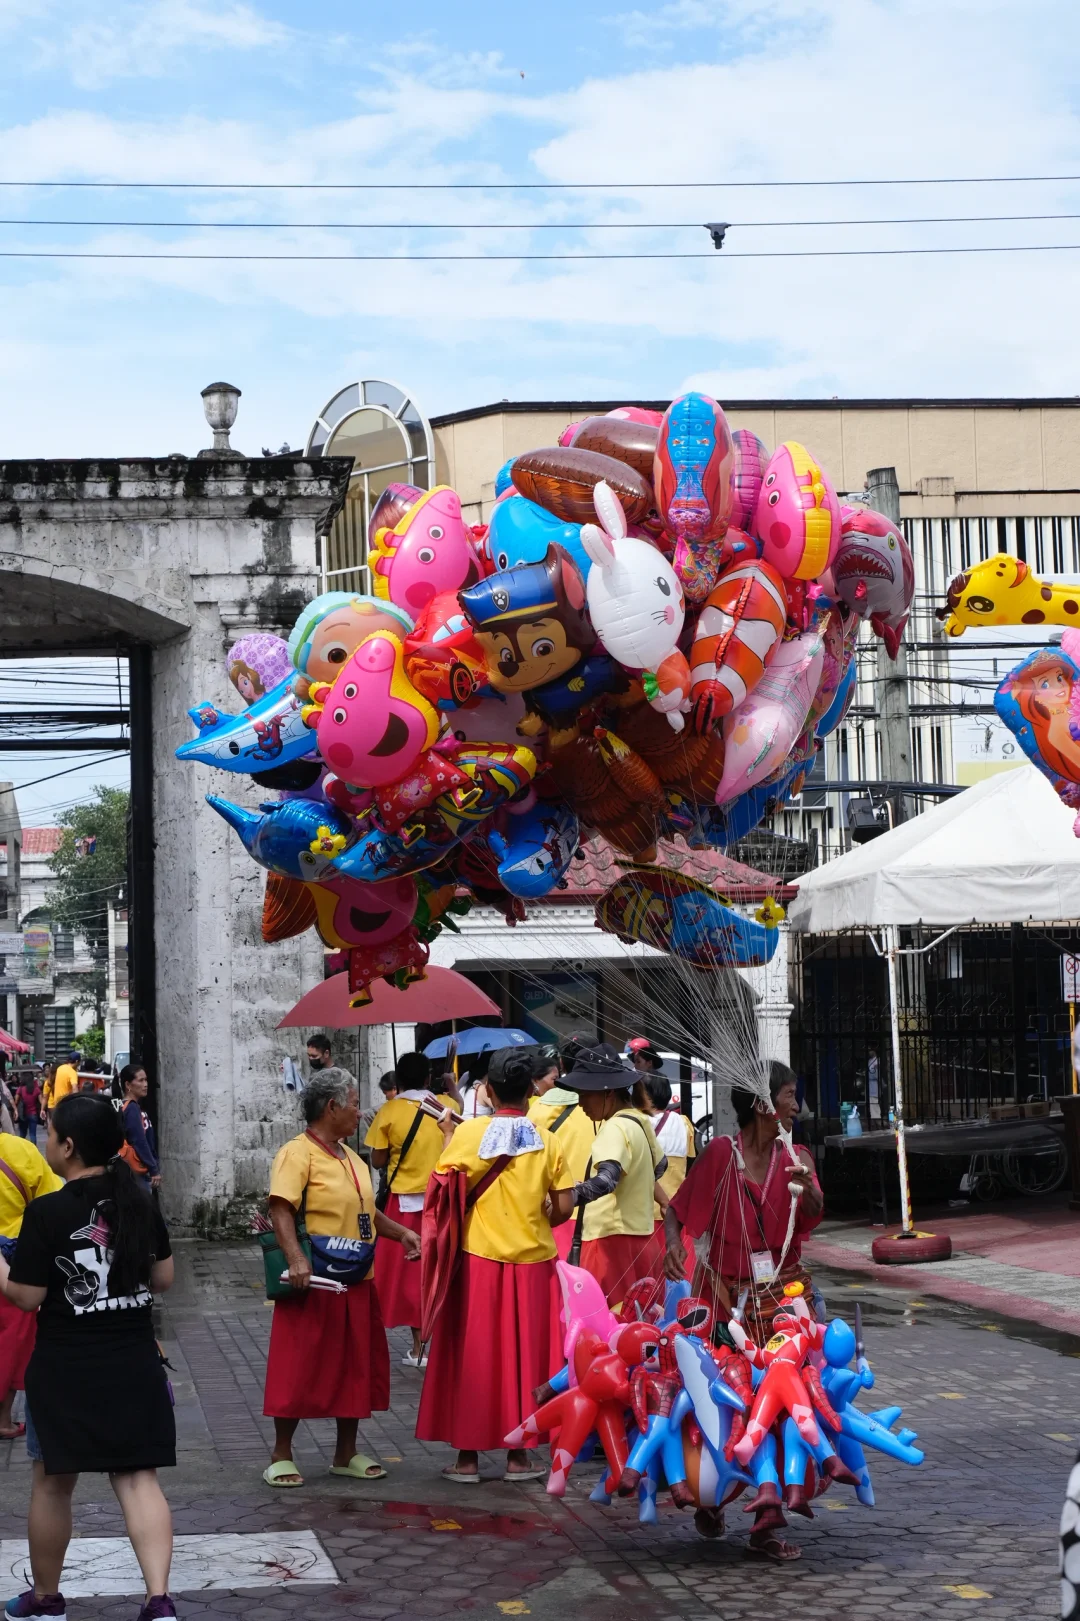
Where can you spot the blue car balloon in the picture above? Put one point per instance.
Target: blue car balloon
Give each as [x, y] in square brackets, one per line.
[535, 849]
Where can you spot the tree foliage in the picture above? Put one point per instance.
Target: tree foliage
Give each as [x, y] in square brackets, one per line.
[91, 866]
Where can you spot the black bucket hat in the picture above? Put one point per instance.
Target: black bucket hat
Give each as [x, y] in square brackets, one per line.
[599, 1069]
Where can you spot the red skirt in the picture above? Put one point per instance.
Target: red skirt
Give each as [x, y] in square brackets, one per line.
[328, 1356]
[620, 1260]
[18, 1331]
[396, 1279]
[498, 1336]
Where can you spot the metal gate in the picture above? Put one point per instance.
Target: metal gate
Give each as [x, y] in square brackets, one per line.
[983, 1020]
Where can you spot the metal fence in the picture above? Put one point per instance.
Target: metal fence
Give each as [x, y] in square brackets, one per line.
[983, 1020]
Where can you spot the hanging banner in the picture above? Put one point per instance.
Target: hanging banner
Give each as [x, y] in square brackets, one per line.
[37, 952]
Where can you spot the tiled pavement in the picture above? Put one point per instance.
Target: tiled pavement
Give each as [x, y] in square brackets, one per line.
[970, 1533]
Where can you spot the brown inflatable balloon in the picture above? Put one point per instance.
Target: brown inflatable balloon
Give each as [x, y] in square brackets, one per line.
[631, 442]
[562, 478]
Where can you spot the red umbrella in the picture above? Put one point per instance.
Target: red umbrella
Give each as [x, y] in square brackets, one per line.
[9, 1044]
[444, 994]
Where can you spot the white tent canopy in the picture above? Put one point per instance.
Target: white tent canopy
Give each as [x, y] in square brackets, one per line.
[1001, 852]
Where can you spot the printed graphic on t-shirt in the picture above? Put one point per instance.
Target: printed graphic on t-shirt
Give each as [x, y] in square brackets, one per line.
[87, 1272]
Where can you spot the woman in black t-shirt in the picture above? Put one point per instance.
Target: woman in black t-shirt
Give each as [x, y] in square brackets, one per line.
[89, 1260]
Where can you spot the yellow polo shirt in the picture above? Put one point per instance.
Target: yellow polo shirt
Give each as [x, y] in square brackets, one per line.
[338, 1194]
[507, 1222]
[575, 1135]
[389, 1129]
[32, 1170]
[65, 1080]
[629, 1140]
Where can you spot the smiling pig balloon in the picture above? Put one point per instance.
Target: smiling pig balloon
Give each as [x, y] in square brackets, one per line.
[429, 550]
[372, 723]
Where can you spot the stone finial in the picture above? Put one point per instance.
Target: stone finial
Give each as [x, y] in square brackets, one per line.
[220, 402]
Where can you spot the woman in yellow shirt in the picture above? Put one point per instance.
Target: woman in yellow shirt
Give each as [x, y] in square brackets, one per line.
[401, 1121]
[328, 1354]
[615, 1201]
[557, 1108]
[499, 1333]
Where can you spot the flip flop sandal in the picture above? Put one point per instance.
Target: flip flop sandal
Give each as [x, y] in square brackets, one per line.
[770, 1549]
[13, 1434]
[360, 1467]
[462, 1476]
[283, 1474]
[525, 1474]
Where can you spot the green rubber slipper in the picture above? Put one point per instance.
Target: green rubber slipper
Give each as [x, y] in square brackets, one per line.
[360, 1467]
[283, 1474]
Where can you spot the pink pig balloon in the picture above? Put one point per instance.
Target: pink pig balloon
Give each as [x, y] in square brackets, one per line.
[373, 722]
[429, 550]
[351, 913]
[797, 514]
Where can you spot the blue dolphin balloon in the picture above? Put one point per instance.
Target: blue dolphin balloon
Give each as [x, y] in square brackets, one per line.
[279, 834]
[270, 733]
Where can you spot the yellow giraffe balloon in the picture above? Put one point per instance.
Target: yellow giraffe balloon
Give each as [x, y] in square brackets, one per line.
[1003, 591]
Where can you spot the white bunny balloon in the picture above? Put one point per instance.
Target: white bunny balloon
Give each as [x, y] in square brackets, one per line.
[637, 606]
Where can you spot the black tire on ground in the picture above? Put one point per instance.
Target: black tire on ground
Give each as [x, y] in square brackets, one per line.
[894, 1249]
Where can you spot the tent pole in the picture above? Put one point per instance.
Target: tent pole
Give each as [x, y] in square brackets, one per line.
[892, 936]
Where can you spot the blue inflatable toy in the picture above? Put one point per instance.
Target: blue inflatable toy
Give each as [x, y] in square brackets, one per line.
[521, 532]
[270, 733]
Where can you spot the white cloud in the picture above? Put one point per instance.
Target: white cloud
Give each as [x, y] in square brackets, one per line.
[859, 88]
[134, 40]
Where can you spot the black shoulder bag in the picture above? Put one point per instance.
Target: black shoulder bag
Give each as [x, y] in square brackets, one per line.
[382, 1198]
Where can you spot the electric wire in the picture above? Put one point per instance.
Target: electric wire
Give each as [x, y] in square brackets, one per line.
[531, 185]
[531, 225]
[494, 258]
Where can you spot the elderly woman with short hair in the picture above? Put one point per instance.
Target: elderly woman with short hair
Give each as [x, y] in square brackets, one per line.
[328, 1352]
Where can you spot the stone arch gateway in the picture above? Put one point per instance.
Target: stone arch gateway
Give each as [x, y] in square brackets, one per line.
[168, 560]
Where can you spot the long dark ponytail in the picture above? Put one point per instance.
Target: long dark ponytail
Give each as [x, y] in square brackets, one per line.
[92, 1126]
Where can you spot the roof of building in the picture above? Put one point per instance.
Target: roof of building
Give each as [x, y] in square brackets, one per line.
[583, 408]
[41, 841]
[603, 865]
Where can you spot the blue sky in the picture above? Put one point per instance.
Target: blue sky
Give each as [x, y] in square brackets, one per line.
[109, 357]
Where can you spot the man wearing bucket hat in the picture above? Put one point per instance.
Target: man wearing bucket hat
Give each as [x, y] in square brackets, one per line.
[615, 1231]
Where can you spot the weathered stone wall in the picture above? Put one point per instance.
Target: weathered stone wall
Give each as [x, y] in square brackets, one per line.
[186, 556]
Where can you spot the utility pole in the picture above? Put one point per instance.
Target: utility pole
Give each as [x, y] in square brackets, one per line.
[894, 712]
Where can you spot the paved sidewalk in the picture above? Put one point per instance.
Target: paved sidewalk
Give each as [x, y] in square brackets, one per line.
[970, 1533]
[1021, 1259]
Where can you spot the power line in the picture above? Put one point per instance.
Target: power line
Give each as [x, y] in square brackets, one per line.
[494, 258]
[530, 185]
[531, 225]
[83, 765]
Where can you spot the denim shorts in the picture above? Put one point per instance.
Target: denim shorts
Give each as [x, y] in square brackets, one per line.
[33, 1445]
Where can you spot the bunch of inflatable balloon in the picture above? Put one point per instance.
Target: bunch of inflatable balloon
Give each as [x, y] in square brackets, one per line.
[1039, 701]
[650, 638]
[707, 1422]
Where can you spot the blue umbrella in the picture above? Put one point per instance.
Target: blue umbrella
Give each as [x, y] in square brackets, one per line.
[480, 1040]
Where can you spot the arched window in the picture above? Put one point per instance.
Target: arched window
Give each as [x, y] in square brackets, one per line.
[380, 427]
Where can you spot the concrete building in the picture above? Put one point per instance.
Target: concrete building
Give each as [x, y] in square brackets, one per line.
[168, 559]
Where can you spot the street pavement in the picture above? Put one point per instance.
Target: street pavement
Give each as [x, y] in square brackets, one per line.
[972, 1532]
[1019, 1257]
